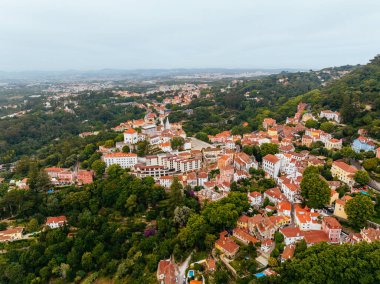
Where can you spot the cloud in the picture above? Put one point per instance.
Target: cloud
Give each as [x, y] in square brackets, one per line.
[69, 34]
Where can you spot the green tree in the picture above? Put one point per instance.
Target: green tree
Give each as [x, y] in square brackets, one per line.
[359, 209]
[126, 149]
[33, 225]
[314, 189]
[86, 262]
[269, 148]
[202, 136]
[327, 127]
[99, 167]
[311, 123]
[361, 177]
[177, 143]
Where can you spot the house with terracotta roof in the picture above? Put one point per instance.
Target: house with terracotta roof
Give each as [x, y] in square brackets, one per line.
[315, 236]
[333, 144]
[284, 208]
[131, 136]
[243, 236]
[343, 172]
[167, 272]
[226, 245]
[339, 206]
[274, 195]
[291, 235]
[268, 122]
[291, 190]
[370, 234]
[271, 165]
[332, 228]
[11, 234]
[306, 219]
[85, 176]
[288, 252]
[56, 222]
[255, 198]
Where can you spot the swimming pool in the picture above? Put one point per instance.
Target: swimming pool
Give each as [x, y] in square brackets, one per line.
[259, 275]
[191, 273]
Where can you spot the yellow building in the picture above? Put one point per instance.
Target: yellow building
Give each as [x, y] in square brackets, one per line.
[339, 207]
[334, 195]
[343, 172]
[333, 144]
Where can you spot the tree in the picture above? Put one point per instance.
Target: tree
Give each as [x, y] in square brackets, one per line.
[175, 194]
[361, 177]
[33, 225]
[314, 189]
[202, 136]
[177, 143]
[126, 149]
[87, 261]
[371, 164]
[109, 143]
[181, 215]
[359, 209]
[99, 167]
[327, 127]
[272, 262]
[311, 123]
[269, 148]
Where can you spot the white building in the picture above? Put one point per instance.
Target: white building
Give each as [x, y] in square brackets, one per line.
[131, 136]
[125, 160]
[330, 115]
[271, 165]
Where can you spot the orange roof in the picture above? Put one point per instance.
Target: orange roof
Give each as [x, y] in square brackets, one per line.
[289, 232]
[130, 131]
[332, 223]
[315, 236]
[271, 158]
[244, 235]
[345, 167]
[119, 154]
[288, 252]
[59, 219]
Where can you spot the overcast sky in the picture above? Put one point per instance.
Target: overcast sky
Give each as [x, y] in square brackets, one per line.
[129, 34]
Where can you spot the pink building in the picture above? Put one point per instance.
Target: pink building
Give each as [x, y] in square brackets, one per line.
[332, 228]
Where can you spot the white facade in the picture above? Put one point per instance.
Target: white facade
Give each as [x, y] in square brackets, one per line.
[124, 160]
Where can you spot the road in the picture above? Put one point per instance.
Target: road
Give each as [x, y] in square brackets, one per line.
[372, 183]
[182, 268]
[197, 144]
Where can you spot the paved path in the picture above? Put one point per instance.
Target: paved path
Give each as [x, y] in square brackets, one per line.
[197, 144]
[182, 269]
[372, 183]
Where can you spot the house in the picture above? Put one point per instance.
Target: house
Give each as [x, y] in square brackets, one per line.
[284, 208]
[274, 195]
[211, 264]
[330, 115]
[378, 153]
[333, 144]
[167, 272]
[255, 198]
[85, 177]
[242, 222]
[11, 234]
[363, 144]
[291, 190]
[243, 236]
[339, 207]
[271, 165]
[343, 172]
[288, 252]
[267, 246]
[332, 228]
[306, 219]
[315, 236]
[226, 245]
[56, 222]
[131, 136]
[307, 140]
[124, 160]
[291, 235]
[268, 122]
[370, 235]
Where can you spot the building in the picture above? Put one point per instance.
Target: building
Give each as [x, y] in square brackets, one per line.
[271, 165]
[284, 208]
[131, 136]
[339, 207]
[332, 228]
[370, 235]
[330, 115]
[314, 237]
[124, 160]
[255, 198]
[291, 235]
[378, 153]
[288, 252]
[274, 195]
[343, 172]
[11, 234]
[363, 144]
[243, 236]
[56, 222]
[333, 144]
[85, 177]
[226, 245]
[167, 272]
[268, 122]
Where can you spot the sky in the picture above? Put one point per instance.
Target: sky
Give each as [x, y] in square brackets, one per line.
[143, 34]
